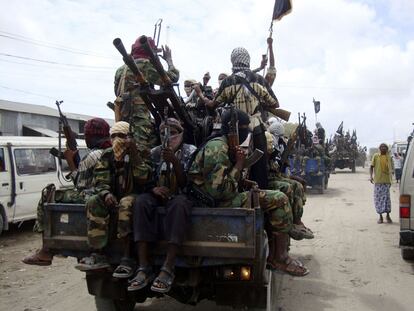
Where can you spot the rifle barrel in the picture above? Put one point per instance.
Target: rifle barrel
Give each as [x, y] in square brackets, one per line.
[155, 61]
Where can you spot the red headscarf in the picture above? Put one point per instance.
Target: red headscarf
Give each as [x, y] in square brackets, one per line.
[97, 133]
[137, 50]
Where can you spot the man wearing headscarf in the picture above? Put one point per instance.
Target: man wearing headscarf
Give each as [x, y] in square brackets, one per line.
[278, 181]
[130, 107]
[218, 174]
[118, 176]
[97, 139]
[171, 160]
[250, 93]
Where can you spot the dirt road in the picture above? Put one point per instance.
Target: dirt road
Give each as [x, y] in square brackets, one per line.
[355, 263]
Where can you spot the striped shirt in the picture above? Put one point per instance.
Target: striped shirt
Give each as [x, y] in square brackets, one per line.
[83, 176]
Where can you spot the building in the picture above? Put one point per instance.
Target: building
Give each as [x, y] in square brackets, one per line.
[19, 119]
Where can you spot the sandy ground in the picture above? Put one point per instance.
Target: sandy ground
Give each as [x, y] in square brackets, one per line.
[355, 263]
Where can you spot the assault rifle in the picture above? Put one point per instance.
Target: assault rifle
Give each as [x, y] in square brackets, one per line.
[69, 134]
[234, 143]
[295, 138]
[165, 144]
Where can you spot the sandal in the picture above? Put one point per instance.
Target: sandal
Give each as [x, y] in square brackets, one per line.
[36, 259]
[93, 262]
[290, 266]
[300, 232]
[166, 280]
[143, 276]
[125, 269]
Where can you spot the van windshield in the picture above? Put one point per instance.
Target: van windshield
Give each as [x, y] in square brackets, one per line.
[34, 161]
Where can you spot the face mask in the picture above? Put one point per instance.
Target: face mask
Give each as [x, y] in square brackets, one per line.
[174, 142]
[119, 147]
[220, 81]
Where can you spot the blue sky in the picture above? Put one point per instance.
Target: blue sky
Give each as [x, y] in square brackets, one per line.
[356, 57]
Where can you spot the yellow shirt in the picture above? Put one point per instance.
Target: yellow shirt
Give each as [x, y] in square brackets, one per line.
[382, 168]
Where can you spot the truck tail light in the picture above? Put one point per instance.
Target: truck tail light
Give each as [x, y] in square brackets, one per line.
[405, 206]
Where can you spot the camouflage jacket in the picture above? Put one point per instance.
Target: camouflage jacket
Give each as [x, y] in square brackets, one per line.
[213, 172]
[118, 178]
[125, 79]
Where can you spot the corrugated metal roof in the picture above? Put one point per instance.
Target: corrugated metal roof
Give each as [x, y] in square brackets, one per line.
[44, 110]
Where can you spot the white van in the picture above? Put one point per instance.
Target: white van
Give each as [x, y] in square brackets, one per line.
[26, 167]
[407, 206]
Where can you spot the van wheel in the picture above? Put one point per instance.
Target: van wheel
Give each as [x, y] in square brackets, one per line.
[1, 223]
[407, 253]
[106, 304]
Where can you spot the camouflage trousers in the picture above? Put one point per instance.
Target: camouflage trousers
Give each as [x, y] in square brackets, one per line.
[142, 128]
[274, 203]
[50, 195]
[294, 191]
[98, 218]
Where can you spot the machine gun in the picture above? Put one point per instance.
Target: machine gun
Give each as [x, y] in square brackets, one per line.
[69, 135]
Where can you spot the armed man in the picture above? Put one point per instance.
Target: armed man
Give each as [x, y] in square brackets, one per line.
[294, 189]
[129, 106]
[118, 177]
[97, 139]
[217, 173]
[252, 94]
[171, 160]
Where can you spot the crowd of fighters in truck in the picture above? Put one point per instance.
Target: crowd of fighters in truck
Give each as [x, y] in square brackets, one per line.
[133, 167]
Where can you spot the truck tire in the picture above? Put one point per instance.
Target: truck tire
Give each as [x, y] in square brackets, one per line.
[106, 304]
[1, 223]
[407, 253]
[322, 185]
[353, 168]
[272, 293]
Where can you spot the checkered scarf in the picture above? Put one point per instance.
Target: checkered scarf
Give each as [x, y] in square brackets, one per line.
[240, 59]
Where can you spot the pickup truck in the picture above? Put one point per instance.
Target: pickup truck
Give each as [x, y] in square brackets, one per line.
[224, 259]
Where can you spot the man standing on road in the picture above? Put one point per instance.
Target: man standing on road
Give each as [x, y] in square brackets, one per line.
[380, 176]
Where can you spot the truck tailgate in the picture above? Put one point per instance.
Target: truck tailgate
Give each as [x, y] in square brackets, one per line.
[213, 232]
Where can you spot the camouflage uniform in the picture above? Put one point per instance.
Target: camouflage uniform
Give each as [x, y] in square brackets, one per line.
[277, 181]
[119, 179]
[214, 174]
[83, 181]
[142, 125]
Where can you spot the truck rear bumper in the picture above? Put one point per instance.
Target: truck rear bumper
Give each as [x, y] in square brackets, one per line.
[407, 238]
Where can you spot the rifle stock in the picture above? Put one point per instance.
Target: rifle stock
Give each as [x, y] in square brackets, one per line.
[280, 113]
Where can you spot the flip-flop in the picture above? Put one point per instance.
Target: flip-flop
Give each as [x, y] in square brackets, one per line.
[139, 282]
[290, 266]
[166, 280]
[300, 232]
[125, 269]
[36, 260]
[93, 262]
